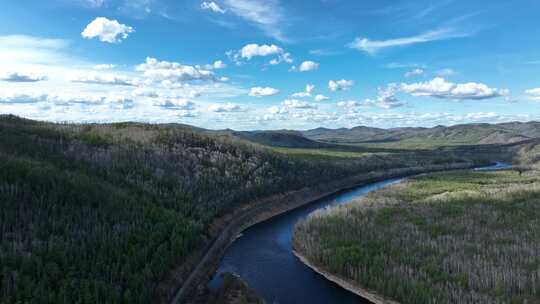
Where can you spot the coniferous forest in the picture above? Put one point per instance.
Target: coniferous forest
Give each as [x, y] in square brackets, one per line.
[103, 212]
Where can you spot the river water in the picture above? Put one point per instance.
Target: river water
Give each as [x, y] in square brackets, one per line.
[262, 256]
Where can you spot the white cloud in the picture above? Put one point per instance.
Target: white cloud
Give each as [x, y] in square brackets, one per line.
[266, 14]
[308, 66]
[415, 72]
[120, 101]
[145, 92]
[106, 30]
[104, 66]
[297, 104]
[252, 50]
[349, 104]
[340, 85]
[306, 93]
[373, 46]
[534, 93]
[194, 94]
[262, 92]
[320, 98]
[21, 77]
[386, 98]
[277, 110]
[217, 65]
[105, 79]
[285, 57]
[173, 71]
[19, 97]
[225, 108]
[214, 7]
[440, 88]
[174, 103]
[481, 115]
[70, 98]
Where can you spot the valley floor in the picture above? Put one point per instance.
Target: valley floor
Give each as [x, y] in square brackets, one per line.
[467, 237]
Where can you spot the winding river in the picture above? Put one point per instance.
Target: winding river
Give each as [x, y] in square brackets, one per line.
[263, 256]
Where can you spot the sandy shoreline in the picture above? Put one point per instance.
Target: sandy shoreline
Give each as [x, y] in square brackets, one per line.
[345, 284]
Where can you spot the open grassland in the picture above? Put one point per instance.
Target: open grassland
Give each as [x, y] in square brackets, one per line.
[334, 152]
[119, 213]
[459, 237]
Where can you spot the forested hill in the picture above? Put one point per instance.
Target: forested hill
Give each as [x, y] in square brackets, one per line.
[103, 212]
[428, 137]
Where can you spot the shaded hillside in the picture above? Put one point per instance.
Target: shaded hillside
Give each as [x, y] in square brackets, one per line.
[104, 212]
[429, 137]
[284, 139]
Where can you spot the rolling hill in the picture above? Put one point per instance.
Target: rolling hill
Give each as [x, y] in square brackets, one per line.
[429, 137]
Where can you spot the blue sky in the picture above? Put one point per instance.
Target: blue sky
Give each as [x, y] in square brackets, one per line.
[271, 64]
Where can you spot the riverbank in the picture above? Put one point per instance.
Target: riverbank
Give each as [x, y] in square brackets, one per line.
[344, 283]
[265, 209]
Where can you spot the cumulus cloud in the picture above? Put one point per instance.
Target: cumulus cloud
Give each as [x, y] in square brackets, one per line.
[214, 7]
[70, 98]
[320, 97]
[277, 110]
[534, 93]
[120, 101]
[415, 72]
[308, 66]
[105, 79]
[263, 91]
[386, 98]
[340, 85]
[252, 50]
[174, 103]
[18, 97]
[106, 30]
[225, 108]
[297, 104]
[145, 92]
[21, 77]
[440, 88]
[173, 71]
[217, 65]
[306, 93]
[373, 46]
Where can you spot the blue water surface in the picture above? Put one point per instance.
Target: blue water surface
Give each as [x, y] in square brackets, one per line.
[263, 257]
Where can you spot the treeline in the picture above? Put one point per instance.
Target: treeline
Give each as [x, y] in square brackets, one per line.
[102, 213]
[466, 237]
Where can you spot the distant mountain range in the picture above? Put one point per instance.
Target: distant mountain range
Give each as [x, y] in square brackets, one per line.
[467, 134]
